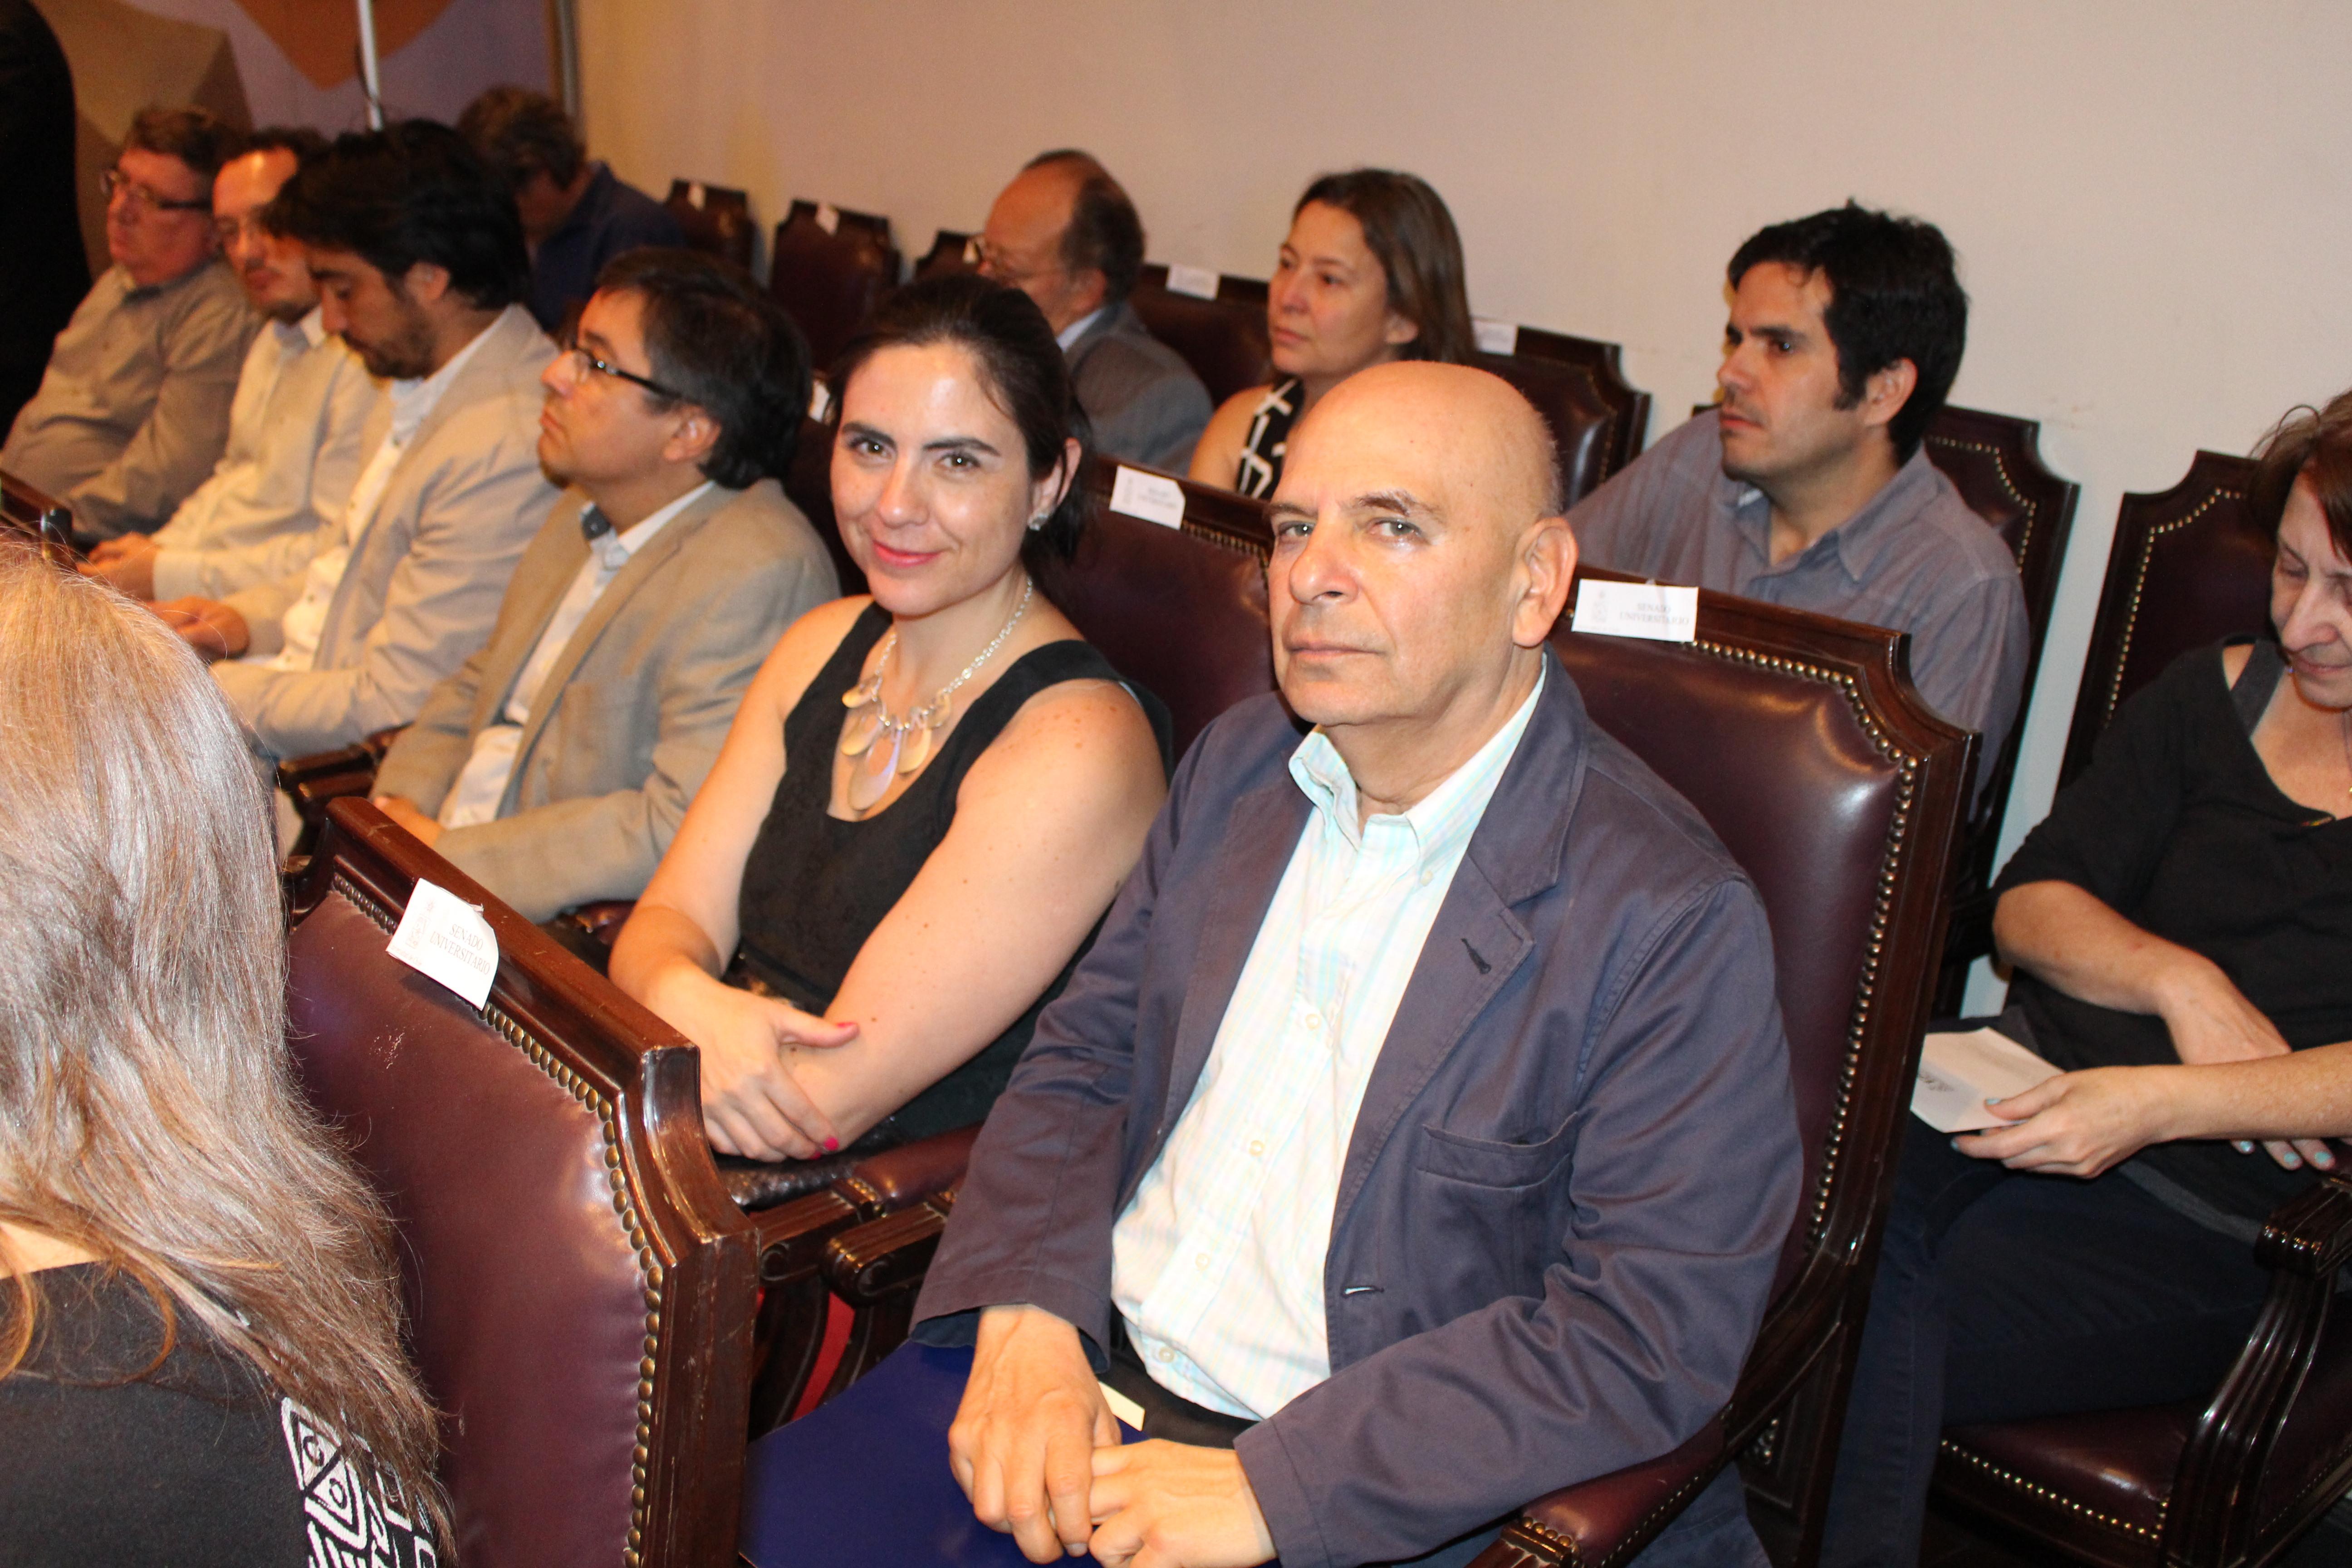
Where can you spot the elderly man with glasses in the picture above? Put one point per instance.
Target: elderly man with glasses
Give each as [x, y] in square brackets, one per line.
[133, 410]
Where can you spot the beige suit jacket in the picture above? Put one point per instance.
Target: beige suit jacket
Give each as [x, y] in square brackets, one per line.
[632, 712]
[426, 578]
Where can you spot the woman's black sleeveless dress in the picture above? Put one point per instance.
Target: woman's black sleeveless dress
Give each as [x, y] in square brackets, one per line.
[815, 887]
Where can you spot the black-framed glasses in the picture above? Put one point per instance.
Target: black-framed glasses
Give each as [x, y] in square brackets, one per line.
[583, 358]
[139, 197]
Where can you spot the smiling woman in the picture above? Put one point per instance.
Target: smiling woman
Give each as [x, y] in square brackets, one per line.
[930, 794]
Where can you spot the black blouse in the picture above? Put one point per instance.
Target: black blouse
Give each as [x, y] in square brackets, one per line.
[2176, 827]
[113, 1456]
[814, 886]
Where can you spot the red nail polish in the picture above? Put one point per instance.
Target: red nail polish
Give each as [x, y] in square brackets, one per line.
[832, 1144]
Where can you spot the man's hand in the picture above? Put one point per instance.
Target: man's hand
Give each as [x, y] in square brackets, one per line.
[1032, 1416]
[1172, 1505]
[128, 563]
[403, 811]
[209, 627]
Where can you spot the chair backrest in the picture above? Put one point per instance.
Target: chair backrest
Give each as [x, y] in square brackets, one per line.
[828, 269]
[38, 517]
[580, 1289]
[2188, 567]
[1179, 610]
[716, 220]
[1803, 743]
[1223, 339]
[950, 252]
[1596, 415]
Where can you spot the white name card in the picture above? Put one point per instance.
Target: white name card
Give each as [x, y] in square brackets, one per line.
[972, 251]
[694, 195]
[1653, 610]
[828, 218]
[820, 401]
[1197, 281]
[1495, 337]
[1154, 498]
[1958, 1073]
[445, 938]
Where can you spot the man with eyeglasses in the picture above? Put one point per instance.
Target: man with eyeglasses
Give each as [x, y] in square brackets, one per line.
[133, 410]
[303, 403]
[1064, 234]
[419, 260]
[555, 766]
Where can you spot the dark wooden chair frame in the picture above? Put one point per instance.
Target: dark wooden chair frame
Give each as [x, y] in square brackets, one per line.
[722, 225]
[1602, 365]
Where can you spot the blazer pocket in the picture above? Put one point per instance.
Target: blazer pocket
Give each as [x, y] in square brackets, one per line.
[1483, 1163]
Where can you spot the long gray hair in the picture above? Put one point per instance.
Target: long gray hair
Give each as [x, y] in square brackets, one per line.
[148, 1112]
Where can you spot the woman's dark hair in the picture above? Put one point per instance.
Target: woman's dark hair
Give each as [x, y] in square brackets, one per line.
[2315, 445]
[1894, 295]
[412, 192]
[1021, 369]
[719, 341]
[1406, 224]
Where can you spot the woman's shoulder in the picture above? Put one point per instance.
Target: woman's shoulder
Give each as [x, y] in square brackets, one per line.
[1080, 727]
[807, 645]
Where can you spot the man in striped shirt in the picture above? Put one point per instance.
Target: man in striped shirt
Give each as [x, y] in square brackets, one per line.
[1417, 1136]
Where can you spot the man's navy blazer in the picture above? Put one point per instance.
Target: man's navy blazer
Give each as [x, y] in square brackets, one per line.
[1570, 1180]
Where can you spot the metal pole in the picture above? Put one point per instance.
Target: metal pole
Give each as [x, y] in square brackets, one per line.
[371, 82]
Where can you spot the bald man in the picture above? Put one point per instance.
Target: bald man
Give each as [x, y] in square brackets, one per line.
[1416, 1138]
[1064, 234]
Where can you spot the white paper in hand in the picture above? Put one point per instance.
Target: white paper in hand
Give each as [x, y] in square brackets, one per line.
[1958, 1073]
[1653, 610]
[1129, 1413]
[1154, 498]
[447, 938]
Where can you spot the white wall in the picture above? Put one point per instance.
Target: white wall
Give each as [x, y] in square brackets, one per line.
[2149, 198]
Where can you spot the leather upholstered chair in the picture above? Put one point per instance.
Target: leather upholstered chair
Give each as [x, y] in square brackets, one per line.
[2229, 1483]
[38, 517]
[1994, 461]
[2188, 566]
[829, 278]
[715, 219]
[950, 252]
[579, 1291]
[1223, 339]
[1597, 417]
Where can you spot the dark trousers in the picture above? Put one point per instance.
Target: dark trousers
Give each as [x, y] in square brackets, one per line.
[2003, 1297]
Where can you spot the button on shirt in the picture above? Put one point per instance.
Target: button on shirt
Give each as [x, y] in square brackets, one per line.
[1913, 559]
[481, 785]
[293, 455]
[1217, 1264]
[306, 618]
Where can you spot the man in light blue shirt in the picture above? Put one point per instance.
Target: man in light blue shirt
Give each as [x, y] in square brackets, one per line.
[1417, 1137]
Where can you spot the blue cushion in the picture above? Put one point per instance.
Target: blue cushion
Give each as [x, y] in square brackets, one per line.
[863, 1478]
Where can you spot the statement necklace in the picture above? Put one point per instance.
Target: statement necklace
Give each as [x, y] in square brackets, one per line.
[888, 746]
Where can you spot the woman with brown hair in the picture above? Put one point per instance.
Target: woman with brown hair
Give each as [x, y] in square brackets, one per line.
[1372, 271]
[200, 1359]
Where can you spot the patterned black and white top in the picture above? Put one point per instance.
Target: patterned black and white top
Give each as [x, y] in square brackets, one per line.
[114, 1456]
[1268, 441]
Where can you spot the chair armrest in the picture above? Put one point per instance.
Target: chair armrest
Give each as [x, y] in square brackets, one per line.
[2216, 1488]
[601, 920]
[789, 1332]
[296, 771]
[1609, 1518]
[913, 1171]
[877, 1269]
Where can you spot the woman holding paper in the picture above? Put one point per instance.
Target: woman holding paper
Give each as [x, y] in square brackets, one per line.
[929, 793]
[2182, 927]
[1372, 271]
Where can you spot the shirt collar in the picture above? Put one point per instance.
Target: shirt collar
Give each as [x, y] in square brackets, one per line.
[413, 400]
[1857, 541]
[1442, 821]
[637, 538]
[1077, 329]
[295, 337]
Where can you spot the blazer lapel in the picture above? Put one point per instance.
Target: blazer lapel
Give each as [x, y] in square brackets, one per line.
[535, 597]
[641, 567]
[1475, 945]
[1260, 835]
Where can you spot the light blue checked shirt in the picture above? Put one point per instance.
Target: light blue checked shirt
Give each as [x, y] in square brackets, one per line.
[1217, 1264]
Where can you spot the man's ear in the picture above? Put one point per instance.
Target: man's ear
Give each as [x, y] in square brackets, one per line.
[1886, 391]
[1546, 567]
[425, 281]
[1088, 290]
[695, 435]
